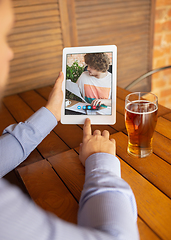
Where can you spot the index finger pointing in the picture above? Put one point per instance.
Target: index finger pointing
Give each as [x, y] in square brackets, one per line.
[87, 129]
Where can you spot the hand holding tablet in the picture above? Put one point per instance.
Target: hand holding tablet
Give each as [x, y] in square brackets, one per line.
[89, 84]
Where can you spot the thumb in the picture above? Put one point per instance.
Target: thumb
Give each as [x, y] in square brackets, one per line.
[59, 80]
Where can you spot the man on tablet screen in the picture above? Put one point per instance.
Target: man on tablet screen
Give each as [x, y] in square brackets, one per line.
[95, 83]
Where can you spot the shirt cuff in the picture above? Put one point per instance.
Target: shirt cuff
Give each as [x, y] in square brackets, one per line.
[104, 162]
[43, 120]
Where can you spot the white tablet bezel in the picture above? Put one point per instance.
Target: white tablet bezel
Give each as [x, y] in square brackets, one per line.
[95, 119]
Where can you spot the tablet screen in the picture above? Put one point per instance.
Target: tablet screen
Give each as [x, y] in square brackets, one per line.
[88, 86]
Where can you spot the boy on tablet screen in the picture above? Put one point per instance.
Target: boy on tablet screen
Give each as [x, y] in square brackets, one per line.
[95, 83]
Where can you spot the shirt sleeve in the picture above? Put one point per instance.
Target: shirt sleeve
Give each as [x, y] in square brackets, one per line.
[107, 202]
[19, 140]
[107, 209]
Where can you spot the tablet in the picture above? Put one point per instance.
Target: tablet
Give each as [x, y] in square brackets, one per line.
[89, 84]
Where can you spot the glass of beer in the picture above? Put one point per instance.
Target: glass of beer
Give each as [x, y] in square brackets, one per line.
[140, 117]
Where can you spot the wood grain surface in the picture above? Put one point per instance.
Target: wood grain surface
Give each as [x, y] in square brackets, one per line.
[48, 191]
[54, 176]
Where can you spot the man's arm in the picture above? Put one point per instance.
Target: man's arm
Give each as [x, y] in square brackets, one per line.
[106, 102]
[19, 140]
[107, 206]
[21, 219]
[107, 202]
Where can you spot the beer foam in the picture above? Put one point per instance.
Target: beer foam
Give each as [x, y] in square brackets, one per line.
[147, 111]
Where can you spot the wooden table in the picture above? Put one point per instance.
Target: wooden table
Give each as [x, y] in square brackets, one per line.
[54, 177]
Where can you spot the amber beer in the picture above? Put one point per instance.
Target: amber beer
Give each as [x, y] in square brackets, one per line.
[140, 119]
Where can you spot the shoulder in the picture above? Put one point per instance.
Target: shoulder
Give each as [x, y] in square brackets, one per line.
[109, 74]
[83, 76]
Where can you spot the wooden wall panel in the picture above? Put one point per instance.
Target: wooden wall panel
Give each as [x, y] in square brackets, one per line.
[37, 43]
[124, 23]
[43, 28]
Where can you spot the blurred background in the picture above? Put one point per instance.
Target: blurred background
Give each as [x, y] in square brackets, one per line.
[141, 30]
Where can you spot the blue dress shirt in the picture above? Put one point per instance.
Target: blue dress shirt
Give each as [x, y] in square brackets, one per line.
[107, 208]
